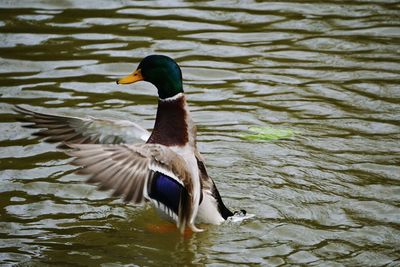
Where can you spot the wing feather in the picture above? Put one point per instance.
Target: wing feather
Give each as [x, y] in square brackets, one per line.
[128, 169]
[88, 130]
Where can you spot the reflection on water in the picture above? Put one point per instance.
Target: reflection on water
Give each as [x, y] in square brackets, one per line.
[329, 196]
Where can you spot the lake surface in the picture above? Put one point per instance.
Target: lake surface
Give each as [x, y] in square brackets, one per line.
[329, 196]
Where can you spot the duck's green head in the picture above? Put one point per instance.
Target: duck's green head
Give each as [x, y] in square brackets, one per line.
[162, 71]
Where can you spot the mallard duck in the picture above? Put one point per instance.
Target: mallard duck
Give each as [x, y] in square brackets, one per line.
[166, 170]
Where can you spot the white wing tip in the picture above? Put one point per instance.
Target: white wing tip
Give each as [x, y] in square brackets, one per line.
[195, 229]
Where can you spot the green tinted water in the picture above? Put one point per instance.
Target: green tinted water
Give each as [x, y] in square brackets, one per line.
[328, 196]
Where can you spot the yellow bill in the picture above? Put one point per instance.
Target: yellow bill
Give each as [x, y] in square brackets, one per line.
[131, 78]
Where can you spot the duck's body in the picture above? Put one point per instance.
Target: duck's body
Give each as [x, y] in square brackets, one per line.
[167, 170]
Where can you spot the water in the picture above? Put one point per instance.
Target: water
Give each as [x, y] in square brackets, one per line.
[330, 196]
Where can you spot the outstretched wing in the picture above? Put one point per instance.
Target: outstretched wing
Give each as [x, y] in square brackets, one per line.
[56, 128]
[139, 172]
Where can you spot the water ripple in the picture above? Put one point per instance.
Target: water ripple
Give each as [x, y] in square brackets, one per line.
[329, 71]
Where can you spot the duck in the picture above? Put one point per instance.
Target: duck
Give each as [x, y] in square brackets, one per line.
[165, 168]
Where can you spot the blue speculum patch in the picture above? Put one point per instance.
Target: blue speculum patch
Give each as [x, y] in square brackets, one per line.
[166, 190]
